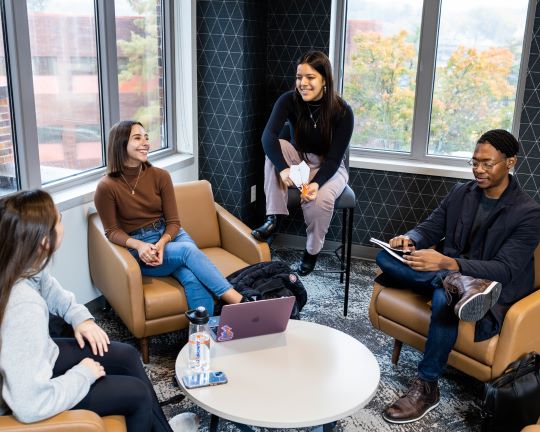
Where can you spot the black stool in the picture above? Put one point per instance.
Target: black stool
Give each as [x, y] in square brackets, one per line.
[346, 202]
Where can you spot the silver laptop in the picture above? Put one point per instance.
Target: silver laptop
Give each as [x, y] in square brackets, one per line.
[243, 320]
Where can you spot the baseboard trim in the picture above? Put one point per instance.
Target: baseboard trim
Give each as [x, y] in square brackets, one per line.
[299, 242]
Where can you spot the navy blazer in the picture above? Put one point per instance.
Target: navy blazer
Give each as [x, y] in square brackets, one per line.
[506, 253]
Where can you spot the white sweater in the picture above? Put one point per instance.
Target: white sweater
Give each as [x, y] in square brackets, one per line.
[28, 354]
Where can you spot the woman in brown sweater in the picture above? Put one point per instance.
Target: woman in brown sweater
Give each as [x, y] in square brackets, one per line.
[137, 206]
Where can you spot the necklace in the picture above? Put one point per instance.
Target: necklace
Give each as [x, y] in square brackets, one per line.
[311, 115]
[136, 181]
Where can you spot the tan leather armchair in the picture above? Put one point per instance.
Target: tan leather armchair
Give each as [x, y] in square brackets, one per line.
[154, 305]
[405, 316]
[67, 421]
[532, 428]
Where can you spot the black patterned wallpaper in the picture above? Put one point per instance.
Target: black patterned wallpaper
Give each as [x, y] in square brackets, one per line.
[388, 203]
[231, 65]
[528, 167]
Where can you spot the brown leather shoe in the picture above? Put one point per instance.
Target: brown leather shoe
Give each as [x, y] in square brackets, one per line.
[476, 296]
[420, 399]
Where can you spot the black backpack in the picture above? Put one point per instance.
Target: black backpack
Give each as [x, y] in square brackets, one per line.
[268, 280]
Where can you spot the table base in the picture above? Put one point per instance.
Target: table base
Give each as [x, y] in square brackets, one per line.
[214, 424]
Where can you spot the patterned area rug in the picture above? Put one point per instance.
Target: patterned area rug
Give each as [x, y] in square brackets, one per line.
[459, 409]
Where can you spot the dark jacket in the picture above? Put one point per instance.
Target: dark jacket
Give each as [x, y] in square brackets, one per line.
[506, 253]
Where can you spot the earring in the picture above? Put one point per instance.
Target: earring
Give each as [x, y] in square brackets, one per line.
[324, 89]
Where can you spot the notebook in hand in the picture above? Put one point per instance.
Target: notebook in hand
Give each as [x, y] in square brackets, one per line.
[395, 252]
[257, 318]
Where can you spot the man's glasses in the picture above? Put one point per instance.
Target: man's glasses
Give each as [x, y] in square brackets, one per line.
[486, 166]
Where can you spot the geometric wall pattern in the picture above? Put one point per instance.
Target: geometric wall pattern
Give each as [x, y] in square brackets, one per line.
[294, 28]
[528, 168]
[244, 66]
[231, 66]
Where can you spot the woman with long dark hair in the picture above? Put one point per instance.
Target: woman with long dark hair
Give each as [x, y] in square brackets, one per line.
[137, 206]
[39, 376]
[321, 126]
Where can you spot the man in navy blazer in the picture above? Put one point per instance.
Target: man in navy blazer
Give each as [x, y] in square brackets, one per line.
[489, 229]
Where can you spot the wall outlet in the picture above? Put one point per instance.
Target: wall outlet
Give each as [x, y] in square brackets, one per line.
[253, 193]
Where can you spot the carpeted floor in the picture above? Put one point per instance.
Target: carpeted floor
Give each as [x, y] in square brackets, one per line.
[459, 409]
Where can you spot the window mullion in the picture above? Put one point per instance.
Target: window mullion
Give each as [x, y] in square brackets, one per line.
[425, 78]
[23, 106]
[108, 66]
[167, 17]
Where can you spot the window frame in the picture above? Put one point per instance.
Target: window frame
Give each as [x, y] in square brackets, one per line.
[418, 160]
[20, 79]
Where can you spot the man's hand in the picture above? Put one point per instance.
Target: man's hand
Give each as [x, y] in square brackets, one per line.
[95, 336]
[430, 260]
[402, 242]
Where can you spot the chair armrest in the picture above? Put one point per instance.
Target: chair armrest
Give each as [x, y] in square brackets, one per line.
[236, 238]
[519, 334]
[117, 275]
[67, 421]
[372, 311]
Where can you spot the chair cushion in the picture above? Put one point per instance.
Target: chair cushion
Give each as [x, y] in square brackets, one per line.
[347, 199]
[226, 262]
[163, 297]
[412, 311]
[197, 212]
[115, 423]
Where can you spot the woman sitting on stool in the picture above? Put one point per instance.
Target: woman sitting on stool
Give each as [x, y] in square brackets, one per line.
[321, 127]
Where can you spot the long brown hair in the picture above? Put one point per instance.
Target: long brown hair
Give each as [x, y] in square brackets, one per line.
[26, 219]
[117, 146]
[332, 106]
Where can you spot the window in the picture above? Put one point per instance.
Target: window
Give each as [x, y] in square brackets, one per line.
[8, 171]
[470, 51]
[140, 66]
[44, 65]
[83, 65]
[83, 80]
[70, 96]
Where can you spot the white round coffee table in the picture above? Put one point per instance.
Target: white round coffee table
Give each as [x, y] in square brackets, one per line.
[307, 376]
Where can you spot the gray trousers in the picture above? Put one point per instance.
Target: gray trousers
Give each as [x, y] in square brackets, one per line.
[317, 213]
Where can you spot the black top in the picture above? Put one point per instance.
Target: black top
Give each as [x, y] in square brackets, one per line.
[341, 135]
[479, 227]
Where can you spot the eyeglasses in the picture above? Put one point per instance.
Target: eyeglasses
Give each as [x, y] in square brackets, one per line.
[486, 166]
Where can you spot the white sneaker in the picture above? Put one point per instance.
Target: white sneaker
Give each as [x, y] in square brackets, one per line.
[185, 422]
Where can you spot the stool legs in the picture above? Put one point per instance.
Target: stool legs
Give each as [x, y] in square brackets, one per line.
[349, 225]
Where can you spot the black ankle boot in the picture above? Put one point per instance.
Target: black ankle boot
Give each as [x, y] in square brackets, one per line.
[267, 229]
[307, 265]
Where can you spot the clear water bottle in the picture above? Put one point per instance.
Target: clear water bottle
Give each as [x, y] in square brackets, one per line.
[199, 340]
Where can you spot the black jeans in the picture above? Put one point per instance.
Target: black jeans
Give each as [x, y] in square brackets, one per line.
[125, 390]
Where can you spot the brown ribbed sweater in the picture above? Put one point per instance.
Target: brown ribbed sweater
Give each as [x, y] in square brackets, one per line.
[121, 212]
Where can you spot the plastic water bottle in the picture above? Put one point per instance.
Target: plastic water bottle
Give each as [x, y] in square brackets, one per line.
[199, 340]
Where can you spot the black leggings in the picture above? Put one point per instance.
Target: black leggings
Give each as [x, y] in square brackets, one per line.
[125, 390]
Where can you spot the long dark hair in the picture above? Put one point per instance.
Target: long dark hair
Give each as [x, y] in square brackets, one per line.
[332, 106]
[26, 219]
[117, 146]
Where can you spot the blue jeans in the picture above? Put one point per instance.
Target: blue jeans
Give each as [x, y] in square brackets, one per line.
[443, 327]
[186, 263]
